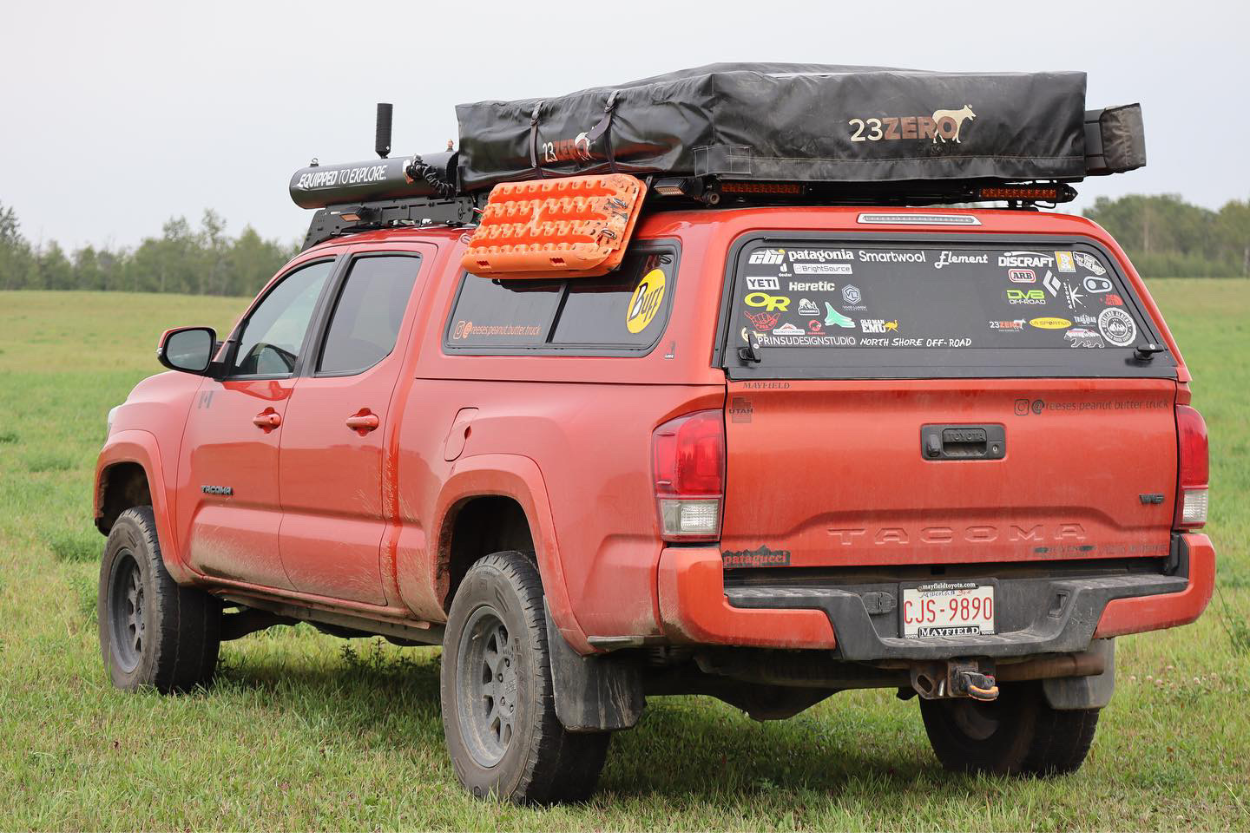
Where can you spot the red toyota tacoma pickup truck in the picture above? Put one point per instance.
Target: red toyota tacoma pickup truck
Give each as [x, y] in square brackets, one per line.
[781, 451]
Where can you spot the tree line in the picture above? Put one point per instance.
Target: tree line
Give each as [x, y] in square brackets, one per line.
[1163, 235]
[196, 261]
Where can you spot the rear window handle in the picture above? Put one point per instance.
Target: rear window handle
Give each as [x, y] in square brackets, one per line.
[1146, 352]
[751, 353]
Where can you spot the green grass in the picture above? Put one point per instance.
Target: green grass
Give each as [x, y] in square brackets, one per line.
[307, 731]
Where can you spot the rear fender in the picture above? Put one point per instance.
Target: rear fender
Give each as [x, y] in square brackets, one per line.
[137, 446]
[519, 478]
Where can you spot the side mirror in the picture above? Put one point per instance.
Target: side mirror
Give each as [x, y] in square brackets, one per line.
[189, 349]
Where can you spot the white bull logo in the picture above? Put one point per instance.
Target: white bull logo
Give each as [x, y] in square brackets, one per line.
[943, 118]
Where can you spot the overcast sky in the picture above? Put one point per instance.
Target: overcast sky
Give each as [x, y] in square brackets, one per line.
[116, 116]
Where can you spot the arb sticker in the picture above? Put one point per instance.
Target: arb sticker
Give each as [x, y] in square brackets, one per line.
[646, 301]
[1117, 327]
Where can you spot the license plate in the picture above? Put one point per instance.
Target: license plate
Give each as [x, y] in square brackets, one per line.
[948, 608]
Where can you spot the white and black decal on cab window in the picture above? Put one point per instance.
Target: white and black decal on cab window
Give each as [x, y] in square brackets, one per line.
[928, 304]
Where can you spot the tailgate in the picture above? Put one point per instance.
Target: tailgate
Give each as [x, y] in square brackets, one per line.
[922, 402]
[836, 473]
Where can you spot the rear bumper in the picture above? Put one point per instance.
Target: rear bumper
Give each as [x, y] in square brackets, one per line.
[1055, 615]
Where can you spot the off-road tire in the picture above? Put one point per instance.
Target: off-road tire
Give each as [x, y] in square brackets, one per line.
[178, 628]
[540, 762]
[1018, 734]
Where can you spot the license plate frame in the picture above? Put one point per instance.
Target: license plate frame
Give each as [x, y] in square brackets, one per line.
[943, 623]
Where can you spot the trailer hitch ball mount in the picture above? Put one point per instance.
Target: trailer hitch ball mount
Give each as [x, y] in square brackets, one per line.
[956, 678]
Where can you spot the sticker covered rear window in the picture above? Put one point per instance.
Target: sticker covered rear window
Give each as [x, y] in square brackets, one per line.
[817, 304]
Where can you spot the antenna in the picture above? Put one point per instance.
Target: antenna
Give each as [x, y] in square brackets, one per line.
[382, 141]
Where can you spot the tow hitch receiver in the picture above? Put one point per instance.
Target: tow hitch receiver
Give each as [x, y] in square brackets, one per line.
[943, 681]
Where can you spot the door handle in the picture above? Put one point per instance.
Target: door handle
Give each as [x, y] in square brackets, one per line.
[363, 421]
[963, 442]
[268, 419]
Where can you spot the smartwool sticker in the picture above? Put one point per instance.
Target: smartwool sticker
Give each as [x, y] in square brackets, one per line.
[762, 557]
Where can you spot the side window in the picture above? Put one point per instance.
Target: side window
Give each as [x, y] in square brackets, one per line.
[624, 310]
[368, 313]
[271, 339]
[494, 312]
[621, 309]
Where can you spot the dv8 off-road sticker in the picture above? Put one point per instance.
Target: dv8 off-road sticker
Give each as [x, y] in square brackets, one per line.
[1117, 327]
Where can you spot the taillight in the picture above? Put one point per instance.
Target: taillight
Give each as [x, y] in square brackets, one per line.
[688, 456]
[1194, 468]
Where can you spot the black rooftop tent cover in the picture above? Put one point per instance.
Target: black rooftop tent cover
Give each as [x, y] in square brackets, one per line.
[794, 122]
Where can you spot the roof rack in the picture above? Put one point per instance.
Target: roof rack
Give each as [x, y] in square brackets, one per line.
[430, 189]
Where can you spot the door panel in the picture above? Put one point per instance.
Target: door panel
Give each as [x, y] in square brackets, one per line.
[229, 505]
[232, 528]
[334, 437]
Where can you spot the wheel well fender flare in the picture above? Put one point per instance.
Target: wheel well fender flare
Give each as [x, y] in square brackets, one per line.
[519, 478]
[139, 447]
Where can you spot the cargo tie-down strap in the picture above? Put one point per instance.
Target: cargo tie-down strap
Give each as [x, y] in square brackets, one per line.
[601, 130]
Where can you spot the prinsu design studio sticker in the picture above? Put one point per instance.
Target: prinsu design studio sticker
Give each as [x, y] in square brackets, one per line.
[1089, 262]
[1117, 327]
[645, 302]
[762, 557]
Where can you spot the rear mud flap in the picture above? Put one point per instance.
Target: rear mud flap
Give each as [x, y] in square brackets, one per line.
[594, 693]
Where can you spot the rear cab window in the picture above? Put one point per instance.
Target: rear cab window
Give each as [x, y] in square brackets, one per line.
[860, 308]
[623, 312]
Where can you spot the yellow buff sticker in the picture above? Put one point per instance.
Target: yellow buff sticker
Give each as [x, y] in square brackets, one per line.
[645, 302]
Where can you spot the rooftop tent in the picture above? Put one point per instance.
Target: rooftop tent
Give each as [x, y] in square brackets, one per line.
[803, 123]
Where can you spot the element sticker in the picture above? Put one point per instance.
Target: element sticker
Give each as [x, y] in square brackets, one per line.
[645, 302]
[1117, 327]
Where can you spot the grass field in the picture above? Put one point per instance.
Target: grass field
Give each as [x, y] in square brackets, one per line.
[306, 731]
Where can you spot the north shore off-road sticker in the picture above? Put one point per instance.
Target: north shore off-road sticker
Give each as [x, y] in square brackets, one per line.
[645, 302]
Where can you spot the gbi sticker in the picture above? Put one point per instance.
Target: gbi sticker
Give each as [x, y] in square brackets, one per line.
[645, 302]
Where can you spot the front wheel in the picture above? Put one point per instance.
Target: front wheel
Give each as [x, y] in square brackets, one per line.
[153, 632]
[1017, 734]
[499, 716]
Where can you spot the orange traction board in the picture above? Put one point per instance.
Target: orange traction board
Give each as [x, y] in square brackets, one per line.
[577, 226]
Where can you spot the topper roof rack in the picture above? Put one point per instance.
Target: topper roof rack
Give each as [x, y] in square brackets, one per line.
[764, 134]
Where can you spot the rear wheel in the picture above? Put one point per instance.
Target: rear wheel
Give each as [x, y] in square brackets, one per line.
[499, 717]
[1017, 734]
[153, 632]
